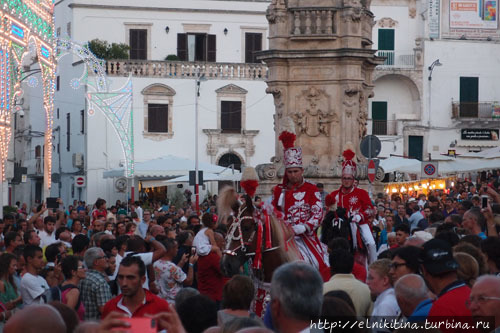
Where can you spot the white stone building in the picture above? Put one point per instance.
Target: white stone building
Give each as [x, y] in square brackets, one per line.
[421, 110]
[215, 38]
[411, 114]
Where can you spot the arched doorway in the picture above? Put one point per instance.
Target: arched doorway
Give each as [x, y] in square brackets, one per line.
[230, 160]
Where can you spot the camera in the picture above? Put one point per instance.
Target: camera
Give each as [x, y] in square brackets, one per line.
[21, 113]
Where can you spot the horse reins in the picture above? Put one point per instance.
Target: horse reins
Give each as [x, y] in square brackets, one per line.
[236, 225]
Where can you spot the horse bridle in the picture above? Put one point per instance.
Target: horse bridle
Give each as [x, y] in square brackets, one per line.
[236, 225]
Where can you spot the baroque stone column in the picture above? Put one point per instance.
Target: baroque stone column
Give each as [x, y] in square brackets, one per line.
[320, 64]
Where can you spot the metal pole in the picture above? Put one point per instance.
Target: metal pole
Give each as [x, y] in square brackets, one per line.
[196, 186]
[370, 187]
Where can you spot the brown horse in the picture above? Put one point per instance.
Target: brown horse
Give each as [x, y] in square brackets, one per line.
[250, 230]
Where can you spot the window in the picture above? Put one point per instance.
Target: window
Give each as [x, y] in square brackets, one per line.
[68, 29]
[416, 147]
[253, 43]
[386, 45]
[58, 80]
[379, 118]
[469, 97]
[138, 44]
[158, 114]
[57, 113]
[82, 121]
[68, 131]
[230, 116]
[158, 118]
[196, 47]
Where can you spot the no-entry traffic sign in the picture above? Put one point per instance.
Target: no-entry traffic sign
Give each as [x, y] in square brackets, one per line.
[80, 181]
[371, 171]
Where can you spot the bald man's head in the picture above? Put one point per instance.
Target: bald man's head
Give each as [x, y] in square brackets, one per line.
[36, 319]
[410, 291]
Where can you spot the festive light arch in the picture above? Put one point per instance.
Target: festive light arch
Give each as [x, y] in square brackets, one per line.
[30, 23]
[24, 24]
[115, 105]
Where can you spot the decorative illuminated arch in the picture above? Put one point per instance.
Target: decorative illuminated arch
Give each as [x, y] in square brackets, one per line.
[116, 105]
[26, 23]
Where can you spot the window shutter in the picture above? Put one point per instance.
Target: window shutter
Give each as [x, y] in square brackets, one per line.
[386, 39]
[182, 47]
[253, 43]
[158, 118]
[133, 43]
[212, 45]
[225, 114]
[142, 44]
[379, 118]
[230, 116]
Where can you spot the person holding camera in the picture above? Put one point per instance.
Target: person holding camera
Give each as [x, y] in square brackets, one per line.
[170, 277]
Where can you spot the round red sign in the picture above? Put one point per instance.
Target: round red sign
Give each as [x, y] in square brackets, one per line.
[80, 181]
[371, 171]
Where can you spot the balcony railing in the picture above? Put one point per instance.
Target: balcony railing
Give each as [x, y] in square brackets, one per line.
[476, 110]
[186, 69]
[397, 59]
[383, 127]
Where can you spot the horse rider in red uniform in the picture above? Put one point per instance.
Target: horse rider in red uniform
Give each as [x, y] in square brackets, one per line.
[300, 203]
[357, 204]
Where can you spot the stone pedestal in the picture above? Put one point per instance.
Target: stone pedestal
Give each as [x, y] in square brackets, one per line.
[320, 64]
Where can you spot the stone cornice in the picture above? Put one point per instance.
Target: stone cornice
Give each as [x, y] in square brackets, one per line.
[163, 9]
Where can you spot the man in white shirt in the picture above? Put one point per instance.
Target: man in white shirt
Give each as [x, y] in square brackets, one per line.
[48, 235]
[139, 210]
[33, 286]
[136, 246]
[379, 282]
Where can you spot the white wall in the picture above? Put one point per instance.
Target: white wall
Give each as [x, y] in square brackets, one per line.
[459, 59]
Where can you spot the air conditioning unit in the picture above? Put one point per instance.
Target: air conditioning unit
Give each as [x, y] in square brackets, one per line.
[78, 160]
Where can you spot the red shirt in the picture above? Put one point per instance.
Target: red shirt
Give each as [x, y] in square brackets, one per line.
[450, 305]
[210, 277]
[152, 305]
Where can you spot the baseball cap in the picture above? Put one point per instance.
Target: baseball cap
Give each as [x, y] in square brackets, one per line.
[437, 257]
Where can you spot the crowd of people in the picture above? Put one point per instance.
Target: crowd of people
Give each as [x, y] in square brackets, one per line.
[85, 268]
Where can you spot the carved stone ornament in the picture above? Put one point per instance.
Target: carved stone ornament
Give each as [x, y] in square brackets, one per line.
[387, 22]
[266, 171]
[278, 99]
[317, 117]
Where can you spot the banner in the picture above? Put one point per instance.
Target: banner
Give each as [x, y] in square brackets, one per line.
[473, 14]
[434, 14]
[480, 134]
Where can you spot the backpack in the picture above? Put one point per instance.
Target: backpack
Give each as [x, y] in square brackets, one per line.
[55, 294]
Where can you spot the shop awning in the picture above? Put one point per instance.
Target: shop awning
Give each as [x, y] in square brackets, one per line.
[167, 167]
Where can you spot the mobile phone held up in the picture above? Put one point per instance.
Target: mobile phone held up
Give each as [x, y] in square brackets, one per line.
[484, 201]
[138, 325]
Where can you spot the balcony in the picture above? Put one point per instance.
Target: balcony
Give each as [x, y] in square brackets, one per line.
[476, 110]
[35, 167]
[383, 127]
[186, 69]
[397, 59]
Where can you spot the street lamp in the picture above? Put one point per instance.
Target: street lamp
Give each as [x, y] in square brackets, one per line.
[198, 81]
[431, 67]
